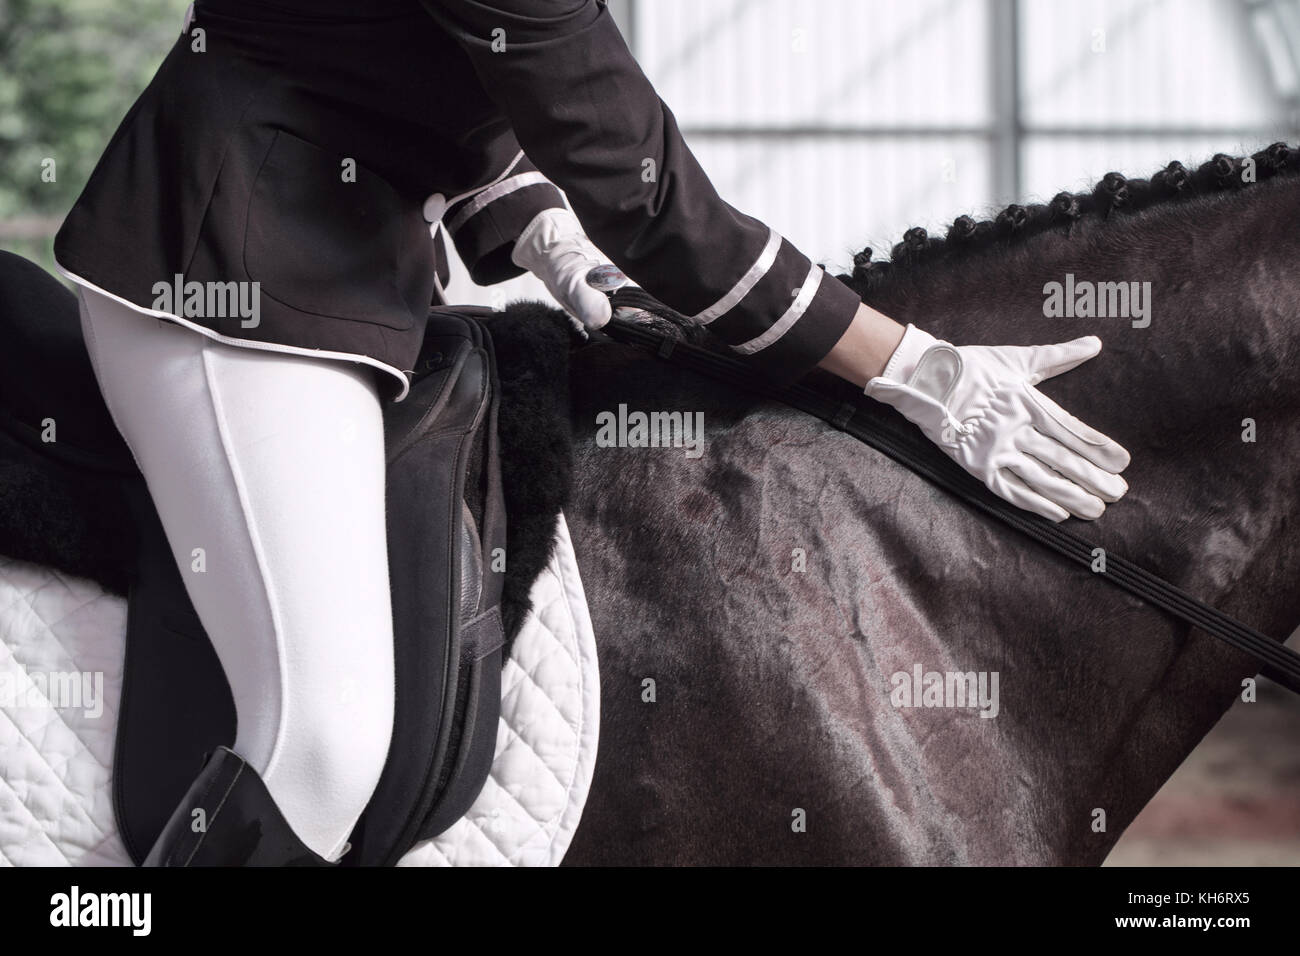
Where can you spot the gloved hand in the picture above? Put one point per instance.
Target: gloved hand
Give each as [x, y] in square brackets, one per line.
[555, 248]
[980, 406]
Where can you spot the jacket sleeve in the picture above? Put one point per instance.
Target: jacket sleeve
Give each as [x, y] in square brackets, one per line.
[587, 116]
[485, 222]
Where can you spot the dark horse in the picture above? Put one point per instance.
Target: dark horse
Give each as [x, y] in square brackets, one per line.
[753, 604]
[760, 608]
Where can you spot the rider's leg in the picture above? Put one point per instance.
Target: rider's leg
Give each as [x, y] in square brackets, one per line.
[267, 471]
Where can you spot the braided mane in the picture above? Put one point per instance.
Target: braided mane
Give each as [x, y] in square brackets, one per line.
[1114, 194]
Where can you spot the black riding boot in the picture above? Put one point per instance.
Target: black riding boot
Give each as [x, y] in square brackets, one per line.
[240, 825]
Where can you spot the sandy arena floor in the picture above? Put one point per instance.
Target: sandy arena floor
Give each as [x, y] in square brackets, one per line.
[1235, 801]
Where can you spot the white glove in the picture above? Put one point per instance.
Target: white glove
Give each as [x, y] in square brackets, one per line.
[555, 248]
[980, 406]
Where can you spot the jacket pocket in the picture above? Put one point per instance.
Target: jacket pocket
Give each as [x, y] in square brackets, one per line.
[346, 249]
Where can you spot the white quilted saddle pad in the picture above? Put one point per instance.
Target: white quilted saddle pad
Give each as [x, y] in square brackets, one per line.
[56, 732]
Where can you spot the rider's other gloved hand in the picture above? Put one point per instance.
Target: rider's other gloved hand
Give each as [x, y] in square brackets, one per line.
[555, 248]
[979, 405]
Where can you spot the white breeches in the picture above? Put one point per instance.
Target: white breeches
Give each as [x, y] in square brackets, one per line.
[267, 470]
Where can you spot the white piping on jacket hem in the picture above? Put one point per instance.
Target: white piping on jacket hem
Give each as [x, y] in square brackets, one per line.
[747, 281]
[246, 343]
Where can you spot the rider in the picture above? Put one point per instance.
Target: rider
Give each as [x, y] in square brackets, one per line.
[299, 149]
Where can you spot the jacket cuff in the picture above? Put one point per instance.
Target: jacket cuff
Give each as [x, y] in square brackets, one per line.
[484, 226]
[784, 314]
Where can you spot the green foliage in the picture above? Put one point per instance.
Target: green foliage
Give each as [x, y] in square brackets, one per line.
[69, 71]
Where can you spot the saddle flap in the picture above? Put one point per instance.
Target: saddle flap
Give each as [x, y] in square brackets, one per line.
[478, 695]
[445, 517]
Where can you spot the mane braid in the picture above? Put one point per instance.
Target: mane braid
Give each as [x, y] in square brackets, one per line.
[1114, 195]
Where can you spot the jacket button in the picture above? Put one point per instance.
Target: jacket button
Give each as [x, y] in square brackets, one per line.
[434, 207]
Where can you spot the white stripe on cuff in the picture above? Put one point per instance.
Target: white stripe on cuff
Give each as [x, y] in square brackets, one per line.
[492, 182]
[491, 194]
[747, 281]
[792, 314]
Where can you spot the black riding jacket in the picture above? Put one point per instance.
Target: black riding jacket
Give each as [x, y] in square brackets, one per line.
[468, 112]
[588, 119]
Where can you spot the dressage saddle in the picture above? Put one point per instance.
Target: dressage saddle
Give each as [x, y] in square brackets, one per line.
[447, 540]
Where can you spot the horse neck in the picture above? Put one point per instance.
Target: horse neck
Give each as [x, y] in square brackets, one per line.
[1208, 505]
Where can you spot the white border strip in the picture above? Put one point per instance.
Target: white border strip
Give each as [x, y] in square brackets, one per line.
[446, 252]
[247, 343]
[492, 182]
[792, 314]
[492, 194]
[747, 281]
